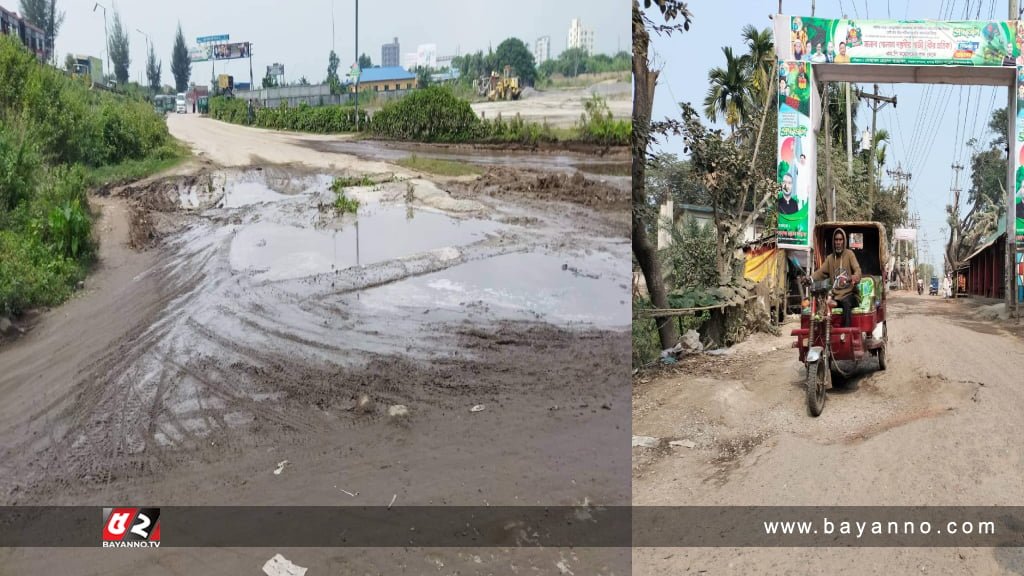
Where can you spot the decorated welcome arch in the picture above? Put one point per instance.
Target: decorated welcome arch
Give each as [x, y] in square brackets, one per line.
[814, 51]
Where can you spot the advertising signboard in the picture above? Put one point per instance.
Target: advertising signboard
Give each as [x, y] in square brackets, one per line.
[231, 51]
[796, 153]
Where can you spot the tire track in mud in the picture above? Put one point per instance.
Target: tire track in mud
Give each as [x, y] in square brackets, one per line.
[231, 361]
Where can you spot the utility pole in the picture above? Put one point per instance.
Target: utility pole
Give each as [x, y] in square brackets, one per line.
[955, 207]
[876, 103]
[849, 133]
[902, 189]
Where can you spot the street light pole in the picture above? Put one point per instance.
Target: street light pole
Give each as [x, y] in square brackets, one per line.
[105, 37]
[358, 71]
[148, 50]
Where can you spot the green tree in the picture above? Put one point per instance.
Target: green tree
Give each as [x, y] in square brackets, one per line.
[43, 14]
[760, 58]
[154, 70]
[365, 62]
[644, 82]
[729, 92]
[422, 77]
[69, 63]
[118, 48]
[181, 64]
[332, 73]
[512, 52]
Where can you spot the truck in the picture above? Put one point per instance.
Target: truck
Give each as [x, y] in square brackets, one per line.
[89, 67]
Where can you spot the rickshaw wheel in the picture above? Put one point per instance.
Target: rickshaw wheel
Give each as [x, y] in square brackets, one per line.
[883, 362]
[818, 375]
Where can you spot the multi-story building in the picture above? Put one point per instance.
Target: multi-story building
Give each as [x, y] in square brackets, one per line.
[580, 37]
[389, 54]
[33, 38]
[542, 49]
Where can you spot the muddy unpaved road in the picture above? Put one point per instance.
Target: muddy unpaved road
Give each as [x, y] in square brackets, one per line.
[940, 427]
[250, 319]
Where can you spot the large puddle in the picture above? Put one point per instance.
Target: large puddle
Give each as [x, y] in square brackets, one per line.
[531, 286]
[275, 251]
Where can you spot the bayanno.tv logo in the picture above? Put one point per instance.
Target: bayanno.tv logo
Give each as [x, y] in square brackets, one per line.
[131, 527]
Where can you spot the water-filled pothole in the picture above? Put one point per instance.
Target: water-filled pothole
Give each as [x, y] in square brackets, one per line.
[566, 289]
[380, 233]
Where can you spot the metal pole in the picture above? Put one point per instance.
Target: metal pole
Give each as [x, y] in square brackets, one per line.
[1011, 189]
[105, 35]
[358, 72]
[871, 159]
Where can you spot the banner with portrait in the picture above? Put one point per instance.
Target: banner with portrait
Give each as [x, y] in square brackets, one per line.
[914, 42]
[797, 155]
[1018, 198]
[231, 51]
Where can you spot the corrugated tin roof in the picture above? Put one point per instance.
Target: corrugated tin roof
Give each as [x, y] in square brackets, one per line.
[385, 74]
[989, 240]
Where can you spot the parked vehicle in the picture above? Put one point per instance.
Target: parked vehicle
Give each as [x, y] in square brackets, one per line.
[180, 106]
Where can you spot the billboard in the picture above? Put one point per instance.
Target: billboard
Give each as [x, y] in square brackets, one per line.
[1018, 198]
[797, 157]
[275, 69]
[231, 51]
[908, 234]
[200, 53]
[914, 42]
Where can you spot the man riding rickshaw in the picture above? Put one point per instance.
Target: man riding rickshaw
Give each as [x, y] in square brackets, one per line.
[843, 320]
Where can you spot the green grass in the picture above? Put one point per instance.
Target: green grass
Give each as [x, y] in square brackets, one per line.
[439, 167]
[166, 158]
[342, 182]
[342, 203]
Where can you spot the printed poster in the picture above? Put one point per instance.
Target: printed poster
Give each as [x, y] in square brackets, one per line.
[913, 42]
[796, 152]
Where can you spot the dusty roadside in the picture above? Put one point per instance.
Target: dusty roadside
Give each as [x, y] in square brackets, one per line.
[936, 428]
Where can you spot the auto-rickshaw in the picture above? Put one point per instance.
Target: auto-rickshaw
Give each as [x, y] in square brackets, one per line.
[822, 339]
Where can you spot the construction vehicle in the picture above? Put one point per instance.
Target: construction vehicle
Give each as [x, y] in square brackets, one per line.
[503, 87]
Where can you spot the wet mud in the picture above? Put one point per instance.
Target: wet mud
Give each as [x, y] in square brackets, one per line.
[272, 314]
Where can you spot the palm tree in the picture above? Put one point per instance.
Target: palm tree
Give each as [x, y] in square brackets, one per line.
[729, 93]
[880, 139]
[759, 59]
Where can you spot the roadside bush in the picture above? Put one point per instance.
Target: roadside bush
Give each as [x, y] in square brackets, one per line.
[52, 127]
[31, 275]
[692, 255]
[302, 118]
[433, 114]
[19, 167]
[598, 126]
[515, 131]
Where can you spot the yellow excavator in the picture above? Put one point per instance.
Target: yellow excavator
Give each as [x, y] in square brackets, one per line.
[503, 87]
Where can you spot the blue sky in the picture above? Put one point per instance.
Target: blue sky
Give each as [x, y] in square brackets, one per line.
[929, 127]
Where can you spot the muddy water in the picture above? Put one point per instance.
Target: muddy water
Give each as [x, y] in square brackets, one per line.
[563, 289]
[379, 233]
